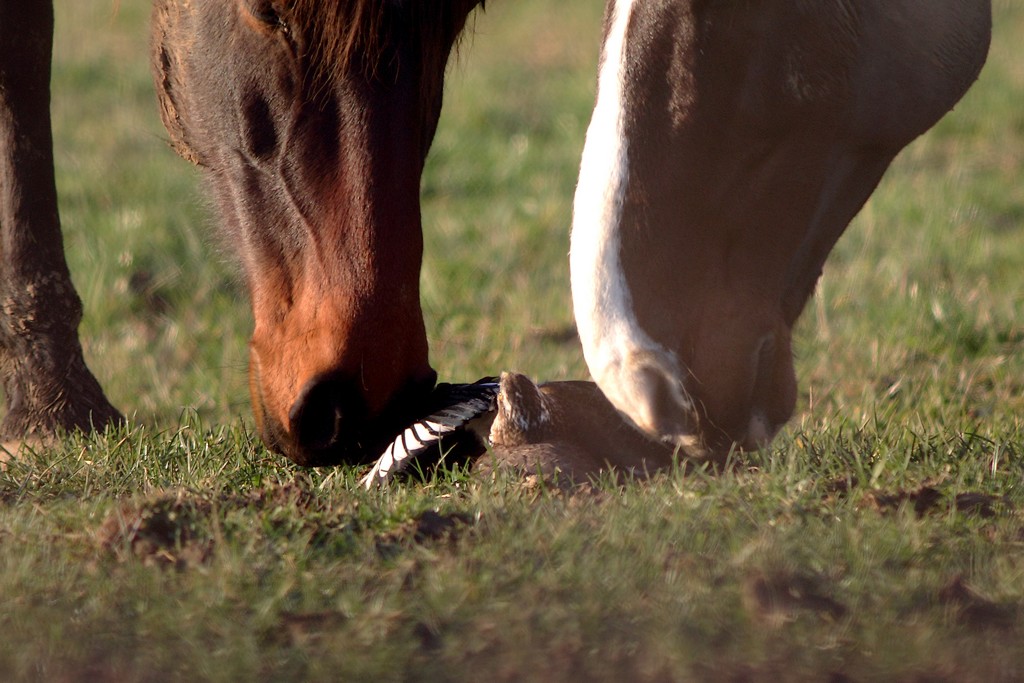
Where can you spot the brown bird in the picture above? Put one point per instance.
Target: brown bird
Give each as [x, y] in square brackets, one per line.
[566, 429]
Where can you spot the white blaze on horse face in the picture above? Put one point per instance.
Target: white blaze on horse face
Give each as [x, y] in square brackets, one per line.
[640, 377]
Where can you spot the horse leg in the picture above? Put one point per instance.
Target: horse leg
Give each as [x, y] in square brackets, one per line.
[45, 381]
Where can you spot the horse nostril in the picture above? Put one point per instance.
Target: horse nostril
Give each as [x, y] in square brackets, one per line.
[318, 415]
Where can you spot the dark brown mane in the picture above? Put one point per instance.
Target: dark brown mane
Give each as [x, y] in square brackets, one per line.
[340, 32]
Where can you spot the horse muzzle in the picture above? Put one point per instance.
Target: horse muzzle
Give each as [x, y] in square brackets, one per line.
[330, 424]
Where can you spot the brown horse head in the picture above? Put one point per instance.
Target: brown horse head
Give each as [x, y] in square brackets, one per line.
[312, 120]
[730, 146]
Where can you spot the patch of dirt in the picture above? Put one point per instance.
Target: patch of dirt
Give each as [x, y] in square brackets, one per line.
[924, 499]
[179, 528]
[427, 527]
[432, 526]
[778, 598]
[288, 495]
[841, 485]
[981, 504]
[975, 611]
[306, 628]
[927, 499]
[163, 530]
[430, 637]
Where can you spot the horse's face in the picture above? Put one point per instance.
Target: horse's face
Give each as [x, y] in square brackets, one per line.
[312, 124]
[677, 280]
[730, 146]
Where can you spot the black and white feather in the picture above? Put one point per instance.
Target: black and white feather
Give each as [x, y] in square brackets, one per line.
[455, 406]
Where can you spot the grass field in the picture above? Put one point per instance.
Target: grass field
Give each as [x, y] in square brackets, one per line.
[880, 539]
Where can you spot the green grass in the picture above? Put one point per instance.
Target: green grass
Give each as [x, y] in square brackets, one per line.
[881, 538]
